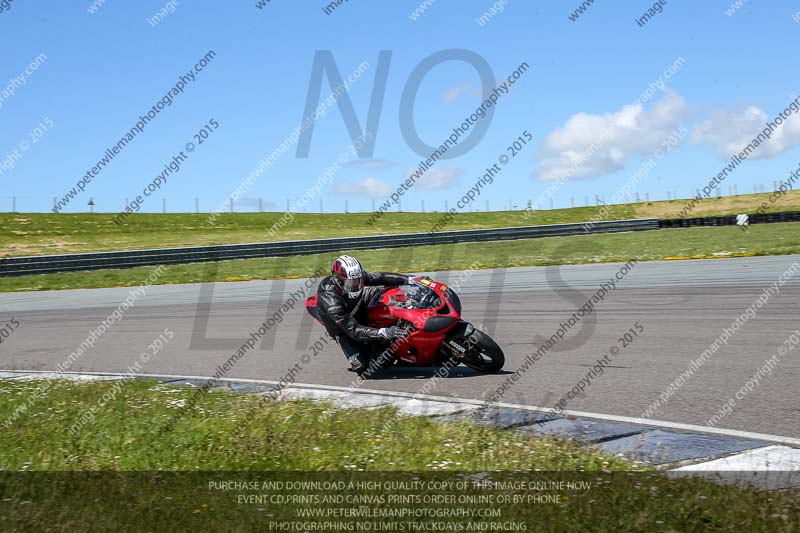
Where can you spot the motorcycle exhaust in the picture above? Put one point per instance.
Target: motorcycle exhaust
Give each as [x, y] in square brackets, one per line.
[461, 332]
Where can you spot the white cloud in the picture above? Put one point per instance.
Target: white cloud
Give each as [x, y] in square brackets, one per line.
[452, 95]
[370, 187]
[254, 202]
[438, 178]
[730, 130]
[588, 145]
[370, 164]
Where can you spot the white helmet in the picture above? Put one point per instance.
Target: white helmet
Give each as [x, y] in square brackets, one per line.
[348, 276]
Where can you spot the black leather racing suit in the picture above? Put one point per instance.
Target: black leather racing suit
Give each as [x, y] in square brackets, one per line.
[343, 316]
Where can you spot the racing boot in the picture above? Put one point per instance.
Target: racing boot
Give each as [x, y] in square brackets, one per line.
[357, 365]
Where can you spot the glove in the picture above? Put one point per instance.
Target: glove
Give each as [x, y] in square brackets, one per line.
[393, 332]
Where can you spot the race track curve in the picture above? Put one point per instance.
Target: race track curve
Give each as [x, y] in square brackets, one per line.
[683, 307]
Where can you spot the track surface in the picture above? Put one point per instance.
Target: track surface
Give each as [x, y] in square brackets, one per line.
[683, 306]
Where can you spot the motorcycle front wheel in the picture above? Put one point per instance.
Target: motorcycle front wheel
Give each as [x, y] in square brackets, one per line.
[483, 354]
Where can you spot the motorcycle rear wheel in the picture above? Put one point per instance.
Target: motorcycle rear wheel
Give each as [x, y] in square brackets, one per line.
[483, 354]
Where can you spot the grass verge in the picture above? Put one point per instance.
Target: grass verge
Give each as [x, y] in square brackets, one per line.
[211, 444]
[49, 233]
[287, 435]
[682, 243]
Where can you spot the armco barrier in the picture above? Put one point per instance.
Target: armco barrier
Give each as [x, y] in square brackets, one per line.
[44, 264]
[730, 220]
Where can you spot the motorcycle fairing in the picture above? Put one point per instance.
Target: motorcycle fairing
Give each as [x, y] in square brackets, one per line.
[424, 304]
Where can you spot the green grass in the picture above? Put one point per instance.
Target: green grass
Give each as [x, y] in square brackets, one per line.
[303, 436]
[725, 241]
[292, 435]
[49, 233]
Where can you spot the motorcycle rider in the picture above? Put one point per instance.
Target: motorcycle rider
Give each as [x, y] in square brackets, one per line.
[342, 300]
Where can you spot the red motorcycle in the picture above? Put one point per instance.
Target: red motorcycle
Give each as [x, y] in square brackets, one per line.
[431, 312]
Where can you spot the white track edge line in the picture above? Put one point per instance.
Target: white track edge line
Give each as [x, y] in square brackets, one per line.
[791, 441]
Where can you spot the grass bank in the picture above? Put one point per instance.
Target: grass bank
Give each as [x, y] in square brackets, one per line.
[49, 233]
[725, 241]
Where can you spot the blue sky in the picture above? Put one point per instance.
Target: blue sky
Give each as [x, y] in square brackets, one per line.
[104, 69]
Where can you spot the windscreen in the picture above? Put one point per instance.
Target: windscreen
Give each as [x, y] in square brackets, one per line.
[417, 297]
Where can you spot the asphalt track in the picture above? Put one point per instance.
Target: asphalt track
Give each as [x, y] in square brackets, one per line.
[682, 305]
